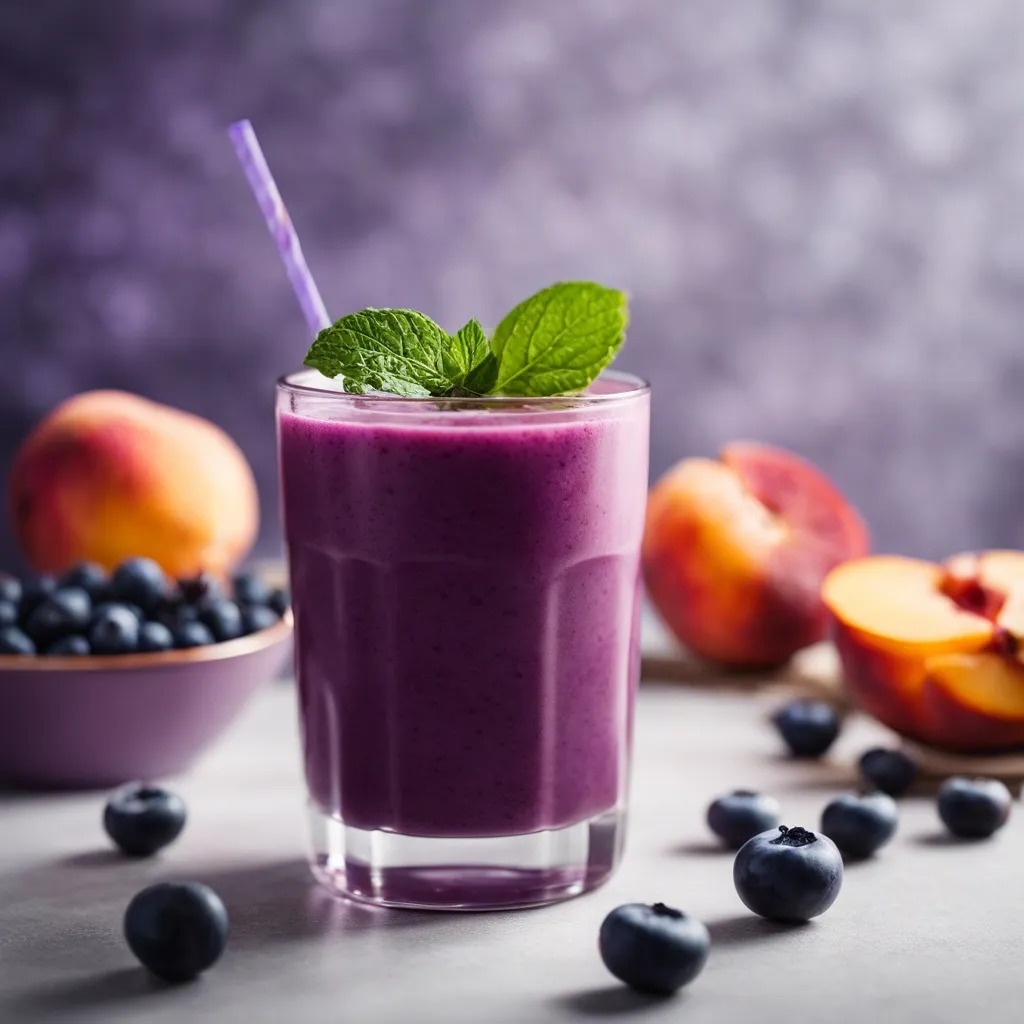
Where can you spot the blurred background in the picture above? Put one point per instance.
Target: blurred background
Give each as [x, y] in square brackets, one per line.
[817, 205]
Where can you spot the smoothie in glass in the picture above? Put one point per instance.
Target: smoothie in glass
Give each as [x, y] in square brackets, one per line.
[466, 598]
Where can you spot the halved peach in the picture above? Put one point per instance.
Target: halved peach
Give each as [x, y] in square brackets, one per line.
[975, 701]
[932, 650]
[899, 603]
[886, 684]
[735, 551]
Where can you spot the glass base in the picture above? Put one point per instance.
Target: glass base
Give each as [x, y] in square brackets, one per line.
[388, 869]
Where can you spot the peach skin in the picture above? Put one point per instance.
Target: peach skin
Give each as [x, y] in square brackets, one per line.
[735, 551]
[108, 475]
[933, 651]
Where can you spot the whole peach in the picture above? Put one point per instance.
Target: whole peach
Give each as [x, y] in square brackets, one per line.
[735, 552]
[108, 475]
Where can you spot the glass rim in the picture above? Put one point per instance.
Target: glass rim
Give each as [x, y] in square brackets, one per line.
[637, 386]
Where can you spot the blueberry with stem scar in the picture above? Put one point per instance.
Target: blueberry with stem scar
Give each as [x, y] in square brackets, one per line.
[788, 874]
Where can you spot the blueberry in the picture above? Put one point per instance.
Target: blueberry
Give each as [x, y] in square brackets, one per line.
[8, 614]
[114, 630]
[256, 617]
[176, 929]
[192, 634]
[10, 588]
[221, 617]
[194, 588]
[279, 600]
[788, 874]
[891, 771]
[974, 808]
[248, 588]
[90, 577]
[133, 608]
[175, 615]
[64, 611]
[72, 645]
[653, 949]
[809, 727]
[13, 641]
[107, 605]
[140, 581]
[155, 636]
[142, 819]
[33, 593]
[741, 815]
[860, 825]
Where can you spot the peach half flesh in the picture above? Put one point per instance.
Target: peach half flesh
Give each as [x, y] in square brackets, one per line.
[735, 551]
[934, 651]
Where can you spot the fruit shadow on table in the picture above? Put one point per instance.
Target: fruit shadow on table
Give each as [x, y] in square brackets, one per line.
[619, 1001]
[268, 903]
[614, 1001]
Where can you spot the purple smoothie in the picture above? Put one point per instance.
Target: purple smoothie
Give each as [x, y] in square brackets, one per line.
[465, 591]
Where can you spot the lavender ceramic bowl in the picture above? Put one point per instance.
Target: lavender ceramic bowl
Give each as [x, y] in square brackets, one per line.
[96, 722]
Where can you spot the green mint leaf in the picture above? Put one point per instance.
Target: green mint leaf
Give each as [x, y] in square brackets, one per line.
[395, 350]
[559, 340]
[483, 376]
[476, 369]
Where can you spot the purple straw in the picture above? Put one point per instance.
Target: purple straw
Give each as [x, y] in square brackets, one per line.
[254, 164]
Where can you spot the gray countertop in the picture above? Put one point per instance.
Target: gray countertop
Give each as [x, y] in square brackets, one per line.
[929, 932]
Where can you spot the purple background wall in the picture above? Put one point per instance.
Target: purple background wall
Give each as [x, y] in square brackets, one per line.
[817, 206]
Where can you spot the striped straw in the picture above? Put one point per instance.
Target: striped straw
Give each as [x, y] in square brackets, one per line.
[254, 164]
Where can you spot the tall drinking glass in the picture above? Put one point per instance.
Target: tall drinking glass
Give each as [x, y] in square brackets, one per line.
[465, 584]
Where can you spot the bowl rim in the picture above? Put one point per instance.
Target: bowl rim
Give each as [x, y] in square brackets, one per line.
[237, 648]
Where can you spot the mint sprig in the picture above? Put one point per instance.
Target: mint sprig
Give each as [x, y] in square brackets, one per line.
[553, 343]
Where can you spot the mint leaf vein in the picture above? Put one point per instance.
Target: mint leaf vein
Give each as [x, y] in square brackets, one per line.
[560, 339]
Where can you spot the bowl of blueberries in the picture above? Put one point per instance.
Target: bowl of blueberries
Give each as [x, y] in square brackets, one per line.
[110, 677]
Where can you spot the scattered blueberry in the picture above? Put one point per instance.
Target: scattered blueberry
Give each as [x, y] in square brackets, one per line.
[256, 617]
[10, 588]
[192, 634]
[155, 636]
[891, 771]
[741, 815]
[808, 727]
[140, 581]
[142, 819]
[860, 825]
[974, 808]
[653, 949]
[788, 874]
[64, 611]
[222, 617]
[114, 630]
[14, 641]
[250, 589]
[8, 614]
[194, 588]
[176, 930]
[279, 600]
[90, 577]
[34, 592]
[73, 645]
